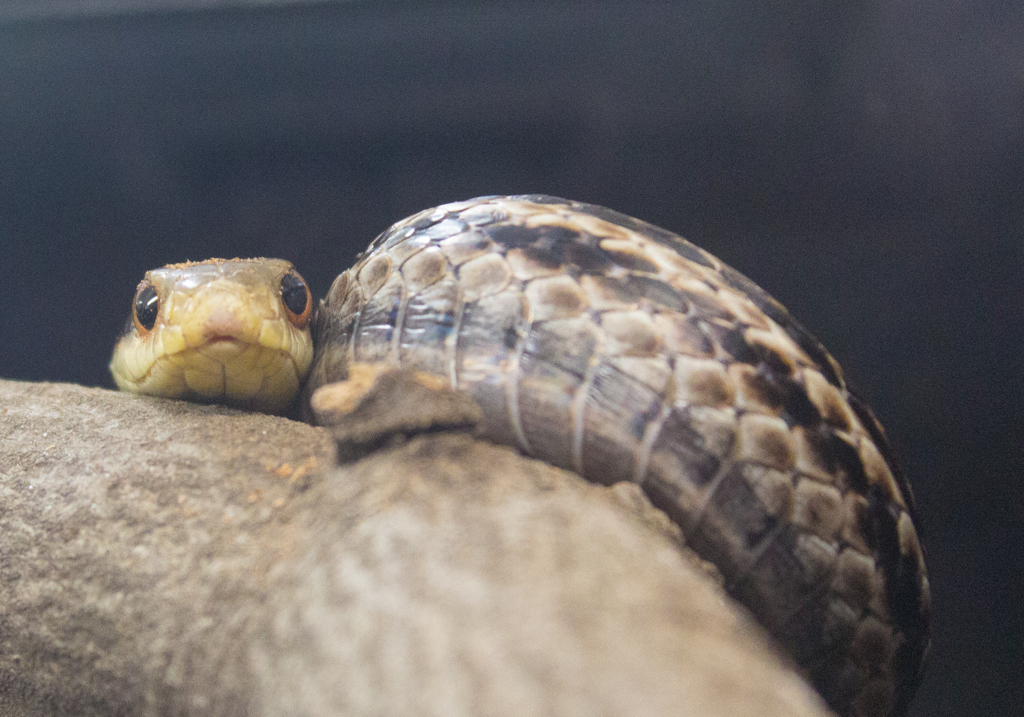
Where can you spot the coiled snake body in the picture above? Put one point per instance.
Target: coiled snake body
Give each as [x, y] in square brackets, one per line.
[616, 349]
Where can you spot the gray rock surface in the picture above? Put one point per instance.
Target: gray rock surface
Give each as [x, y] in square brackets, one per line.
[163, 558]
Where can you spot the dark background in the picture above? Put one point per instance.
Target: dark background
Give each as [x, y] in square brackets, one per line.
[863, 161]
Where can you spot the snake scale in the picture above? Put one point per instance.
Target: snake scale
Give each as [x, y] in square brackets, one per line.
[611, 347]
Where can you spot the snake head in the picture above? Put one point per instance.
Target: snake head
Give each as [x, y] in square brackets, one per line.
[224, 331]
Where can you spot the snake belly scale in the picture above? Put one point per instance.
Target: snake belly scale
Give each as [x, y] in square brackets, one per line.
[616, 349]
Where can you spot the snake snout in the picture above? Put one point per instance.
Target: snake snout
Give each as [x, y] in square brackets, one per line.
[223, 323]
[219, 317]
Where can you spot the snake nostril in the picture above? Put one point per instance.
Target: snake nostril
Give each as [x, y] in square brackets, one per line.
[296, 298]
[146, 307]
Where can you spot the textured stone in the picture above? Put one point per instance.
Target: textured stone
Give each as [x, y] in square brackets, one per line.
[160, 558]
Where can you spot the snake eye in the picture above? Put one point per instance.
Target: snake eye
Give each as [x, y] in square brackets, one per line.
[296, 298]
[147, 305]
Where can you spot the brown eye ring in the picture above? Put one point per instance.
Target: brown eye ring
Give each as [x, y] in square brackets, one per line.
[295, 296]
[145, 308]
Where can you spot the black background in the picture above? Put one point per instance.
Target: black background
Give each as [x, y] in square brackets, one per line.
[863, 161]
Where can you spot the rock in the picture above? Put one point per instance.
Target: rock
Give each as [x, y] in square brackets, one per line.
[164, 558]
[377, 405]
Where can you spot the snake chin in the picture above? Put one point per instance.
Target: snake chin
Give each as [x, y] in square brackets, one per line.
[225, 370]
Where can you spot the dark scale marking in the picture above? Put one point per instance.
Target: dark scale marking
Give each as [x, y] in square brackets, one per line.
[778, 390]
[797, 408]
[779, 568]
[511, 236]
[687, 250]
[777, 313]
[656, 291]
[902, 588]
[905, 598]
[681, 440]
[510, 337]
[817, 353]
[638, 423]
[839, 682]
[732, 341]
[550, 246]
[765, 385]
[632, 260]
[653, 411]
[589, 258]
[548, 257]
[705, 307]
[754, 538]
[840, 455]
[874, 429]
[882, 519]
[824, 637]
[700, 341]
[558, 238]
[771, 358]
[650, 231]
[568, 349]
[735, 496]
[621, 288]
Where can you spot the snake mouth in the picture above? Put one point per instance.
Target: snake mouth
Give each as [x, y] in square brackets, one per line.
[226, 347]
[231, 346]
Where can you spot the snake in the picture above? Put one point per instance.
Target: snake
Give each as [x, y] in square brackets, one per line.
[616, 349]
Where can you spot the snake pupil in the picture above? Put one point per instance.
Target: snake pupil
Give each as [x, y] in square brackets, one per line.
[147, 304]
[294, 294]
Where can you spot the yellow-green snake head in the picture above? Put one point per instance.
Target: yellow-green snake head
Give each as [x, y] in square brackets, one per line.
[226, 331]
